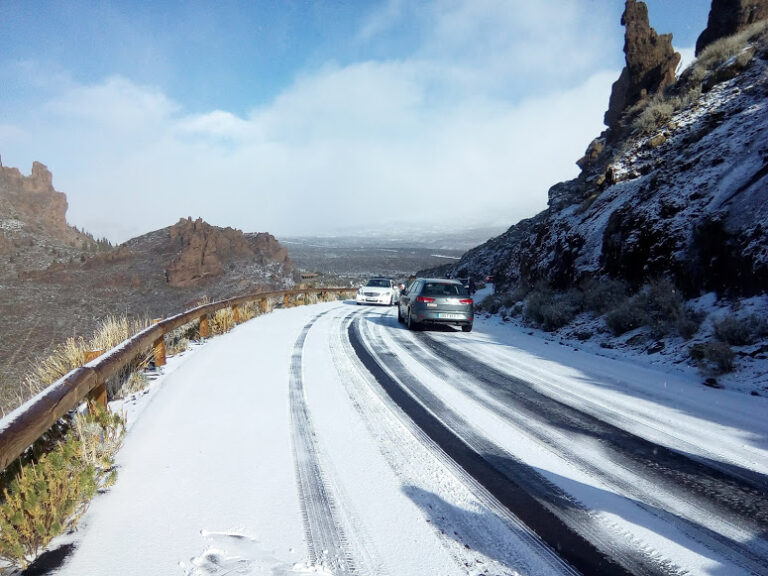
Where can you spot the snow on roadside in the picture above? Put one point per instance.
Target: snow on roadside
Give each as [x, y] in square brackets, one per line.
[206, 474]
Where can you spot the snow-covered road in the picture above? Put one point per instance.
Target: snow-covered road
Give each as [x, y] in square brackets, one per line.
[329, 439]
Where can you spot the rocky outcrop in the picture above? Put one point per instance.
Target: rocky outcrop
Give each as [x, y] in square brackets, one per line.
[207, 250]
[690, 206]
[727, 17]
[651, 62]
[33, 199]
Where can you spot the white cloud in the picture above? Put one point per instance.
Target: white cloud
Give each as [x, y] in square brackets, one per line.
[432, 136]
[687, 56]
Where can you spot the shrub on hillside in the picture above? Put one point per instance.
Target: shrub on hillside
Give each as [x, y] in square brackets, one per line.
[655, 115]
[715, 356]
[729, 47]
[552, 310]
[666, 310]
[490, 304]
[741, 331]
[603, 294]
[627, 316]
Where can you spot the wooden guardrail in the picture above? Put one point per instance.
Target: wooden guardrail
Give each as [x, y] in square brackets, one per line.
[25, 425]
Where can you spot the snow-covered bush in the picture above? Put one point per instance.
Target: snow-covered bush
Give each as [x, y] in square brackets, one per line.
[100, 434]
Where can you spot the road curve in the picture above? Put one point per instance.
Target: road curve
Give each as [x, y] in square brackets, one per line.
[723, 509]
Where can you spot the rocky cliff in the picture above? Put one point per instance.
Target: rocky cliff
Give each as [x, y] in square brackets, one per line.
[728, 17]
[683, 194]
[660, 246]
[651, 62]
[33, 226]
[206, 250]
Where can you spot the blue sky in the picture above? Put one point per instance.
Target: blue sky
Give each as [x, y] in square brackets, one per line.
[307, 117]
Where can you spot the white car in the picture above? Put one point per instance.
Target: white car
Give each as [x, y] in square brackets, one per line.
[378, 291]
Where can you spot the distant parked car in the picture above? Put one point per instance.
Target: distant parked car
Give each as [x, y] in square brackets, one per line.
[436, 301]
[378, 291]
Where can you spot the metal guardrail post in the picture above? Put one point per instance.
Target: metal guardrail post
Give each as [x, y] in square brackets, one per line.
[98, 395]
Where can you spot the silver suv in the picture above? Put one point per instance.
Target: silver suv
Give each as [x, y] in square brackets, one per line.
[436, 301]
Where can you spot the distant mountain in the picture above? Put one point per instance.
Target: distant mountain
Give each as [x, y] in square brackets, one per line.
[57, 282]
[411, 235]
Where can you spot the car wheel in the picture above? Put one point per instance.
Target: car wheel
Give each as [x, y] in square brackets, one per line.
[412, 324]
[466, 328]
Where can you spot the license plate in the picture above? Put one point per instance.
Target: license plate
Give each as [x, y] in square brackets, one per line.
[448, 316]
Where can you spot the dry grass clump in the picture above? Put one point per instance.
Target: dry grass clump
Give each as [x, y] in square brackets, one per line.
[221, 321]
[718, 62]
[249, 310]
[656, 114]
[732, 47]
[113, 330]
[72, 353]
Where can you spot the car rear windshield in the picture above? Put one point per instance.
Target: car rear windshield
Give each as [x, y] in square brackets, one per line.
[443, 289]
[378, 283]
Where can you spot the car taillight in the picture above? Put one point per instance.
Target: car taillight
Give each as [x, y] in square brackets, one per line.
[467, 301]
[424, 299]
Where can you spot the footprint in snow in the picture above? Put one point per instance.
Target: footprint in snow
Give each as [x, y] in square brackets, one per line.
[233, 554]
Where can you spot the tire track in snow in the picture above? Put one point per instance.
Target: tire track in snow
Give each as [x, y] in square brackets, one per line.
[504, 542]
[542, 506]
[730, 500]
[327, 543]
[698, 518]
